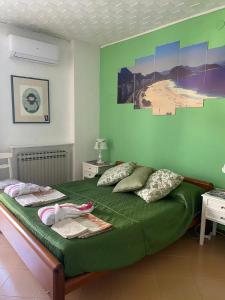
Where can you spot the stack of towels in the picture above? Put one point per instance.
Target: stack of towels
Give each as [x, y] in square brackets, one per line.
[30, 194]
[50, 215]
[21, 188]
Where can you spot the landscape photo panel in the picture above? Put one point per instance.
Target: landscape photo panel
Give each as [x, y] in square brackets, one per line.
[215, 72]
[174, 77]
[144, 76]
[192, 75]
[161, 93]
[125, 86]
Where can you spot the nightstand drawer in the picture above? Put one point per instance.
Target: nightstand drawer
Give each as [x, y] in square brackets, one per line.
[89, 174]
[90, 168]
[215, 215]
[216, 204]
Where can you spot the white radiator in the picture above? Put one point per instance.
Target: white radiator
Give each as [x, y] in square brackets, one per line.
[45, 165]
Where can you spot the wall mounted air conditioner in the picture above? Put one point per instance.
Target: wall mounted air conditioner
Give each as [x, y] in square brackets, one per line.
[33, 50]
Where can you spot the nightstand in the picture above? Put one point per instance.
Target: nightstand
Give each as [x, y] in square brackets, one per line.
[91, 168]
[213, 208]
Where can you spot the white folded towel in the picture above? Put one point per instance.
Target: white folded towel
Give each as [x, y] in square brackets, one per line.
[50, 215]
[22, 188]
[6, 182]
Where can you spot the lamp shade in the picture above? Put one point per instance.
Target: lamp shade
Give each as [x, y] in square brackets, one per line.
[100, 144]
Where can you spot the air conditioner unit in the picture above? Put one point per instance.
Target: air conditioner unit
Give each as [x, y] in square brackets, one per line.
[33, 50]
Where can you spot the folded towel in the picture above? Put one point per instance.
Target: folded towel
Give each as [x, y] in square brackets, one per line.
[82, 227]
[6, 182]
[49, 215]
[22, 188]
[40, 198]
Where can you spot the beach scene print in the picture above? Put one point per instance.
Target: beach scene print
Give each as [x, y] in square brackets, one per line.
[173, 77]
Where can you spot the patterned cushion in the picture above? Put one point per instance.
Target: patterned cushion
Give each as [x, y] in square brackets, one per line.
[159, 184]
[135, 181]
[115, 174]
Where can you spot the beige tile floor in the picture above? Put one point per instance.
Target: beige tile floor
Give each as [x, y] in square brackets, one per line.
[183, 271]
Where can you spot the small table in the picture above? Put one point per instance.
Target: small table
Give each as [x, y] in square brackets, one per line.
[213, 208]
[92, 168]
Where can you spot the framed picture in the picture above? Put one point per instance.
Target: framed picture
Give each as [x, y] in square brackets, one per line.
[30, 100]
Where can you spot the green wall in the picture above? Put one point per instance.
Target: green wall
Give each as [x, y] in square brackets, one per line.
[193, 141]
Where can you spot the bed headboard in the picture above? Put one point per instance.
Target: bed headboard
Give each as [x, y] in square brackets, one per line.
[203, 184]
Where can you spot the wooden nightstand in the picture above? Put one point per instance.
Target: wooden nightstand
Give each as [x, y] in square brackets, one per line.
[91, 168]
[213, 208]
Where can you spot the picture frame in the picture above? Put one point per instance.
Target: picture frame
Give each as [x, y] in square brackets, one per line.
[30, 100]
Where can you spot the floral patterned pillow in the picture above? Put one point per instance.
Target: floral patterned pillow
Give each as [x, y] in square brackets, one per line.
[115, 174]
[159, 184]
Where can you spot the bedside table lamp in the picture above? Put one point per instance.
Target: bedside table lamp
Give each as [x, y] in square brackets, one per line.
[100, 145]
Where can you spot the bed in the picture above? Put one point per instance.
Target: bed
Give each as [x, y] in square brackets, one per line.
[139, 229]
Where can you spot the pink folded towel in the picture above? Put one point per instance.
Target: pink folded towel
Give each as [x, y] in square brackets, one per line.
[21, 188]
[50, 215]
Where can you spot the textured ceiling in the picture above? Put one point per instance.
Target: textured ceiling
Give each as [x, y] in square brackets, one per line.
[99, 21]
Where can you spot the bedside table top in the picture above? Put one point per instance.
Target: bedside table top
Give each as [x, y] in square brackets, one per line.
[216, 193]
[94, 163]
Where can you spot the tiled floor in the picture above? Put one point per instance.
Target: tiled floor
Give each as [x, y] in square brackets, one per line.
[184, 271]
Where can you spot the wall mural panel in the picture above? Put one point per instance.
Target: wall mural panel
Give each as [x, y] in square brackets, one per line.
[173, 78]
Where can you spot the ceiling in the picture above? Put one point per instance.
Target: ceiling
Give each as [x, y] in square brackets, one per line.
[99, 21]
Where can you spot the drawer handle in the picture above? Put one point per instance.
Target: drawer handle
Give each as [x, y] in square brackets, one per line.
[222, 218]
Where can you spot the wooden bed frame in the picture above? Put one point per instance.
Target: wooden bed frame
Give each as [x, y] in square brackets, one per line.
[44, 265]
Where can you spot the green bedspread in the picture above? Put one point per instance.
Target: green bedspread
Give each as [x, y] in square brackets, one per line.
[139, 229]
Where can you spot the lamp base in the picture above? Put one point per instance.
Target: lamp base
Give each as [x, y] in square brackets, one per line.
[100, 162]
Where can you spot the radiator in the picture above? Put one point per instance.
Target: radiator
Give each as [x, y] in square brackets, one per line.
[46, 167]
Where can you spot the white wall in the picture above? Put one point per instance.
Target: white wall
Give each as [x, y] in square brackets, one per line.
[86, 89]
[61, 80]
[74, 97]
